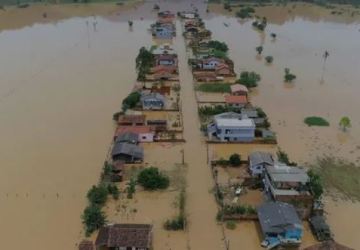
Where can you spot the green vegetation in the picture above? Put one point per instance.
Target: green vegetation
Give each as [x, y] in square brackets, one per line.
[246, 12]
[218, 53]
[260, 25]
[215, 110]
[217, 45]
[97, 195]
[114, 191]
[288, 77]
[235, 160]
[235, 210]
[269, 59]
[345, 123]
[131, 101]
[284, 158]
[249, 79]
[339, 177]
[144, 61]
[315, 184]
[259, 49]
[231, 225]
[93, 218]
[152, 179]
[179, 222]
[316, 121]
[214, 87]
[131, 188]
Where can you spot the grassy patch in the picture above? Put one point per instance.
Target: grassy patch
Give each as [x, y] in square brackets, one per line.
[339, 175]
[316, 121]
[214, 87]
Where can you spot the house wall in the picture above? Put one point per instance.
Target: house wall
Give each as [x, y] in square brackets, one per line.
[236, 134]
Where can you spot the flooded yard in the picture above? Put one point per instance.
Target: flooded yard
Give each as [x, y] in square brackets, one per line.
[63, 77]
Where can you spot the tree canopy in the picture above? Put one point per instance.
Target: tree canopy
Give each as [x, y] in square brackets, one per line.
[345, 123]
[131, 100]
[249, 79]
[93, 218]
[152, 179]
[217, 45]
[97, 195]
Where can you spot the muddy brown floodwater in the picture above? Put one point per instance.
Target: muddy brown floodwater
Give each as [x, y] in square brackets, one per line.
[63, 77]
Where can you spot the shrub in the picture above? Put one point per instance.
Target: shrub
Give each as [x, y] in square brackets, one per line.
[97, 195]
[131, 100]
[231, 225]
[269, 59]
[259, 49]
[284, 158]
[93, 218]
[249, 79]
[315, 184]
[152, 179]
[175, 224]
[114, 191]
[316, 121]
[235, 160]
[245, 12]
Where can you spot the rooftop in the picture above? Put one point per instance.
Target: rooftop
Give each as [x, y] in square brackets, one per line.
[277, 217]
[236, 99]
[328, 245]
[127, 136]
[131, 119]
[132, 129]
[261, 157]
[238, 87]
[125, 235]
[86, 245]
[236, 123]
[128, 149]
[283, 173]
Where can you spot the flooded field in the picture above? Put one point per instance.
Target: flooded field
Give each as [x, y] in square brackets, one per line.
[62, 78]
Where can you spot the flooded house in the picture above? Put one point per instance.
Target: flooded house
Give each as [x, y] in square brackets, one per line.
[206, 76]
[231, 126]
[166, 14]
[220, 66]
[86, 245]
[252, 113]
[164, 49]
[127, 152]
[162, 90]
[188, 14]
[320, 228]
[236, 101]
[125, 236]
[134, 134]
[328, 245]
[163, 30]
[287, 183]
[280, 224]
[131, 120]
[239, 89]
[258, 161]
[166, 60]
[163, 71]
[152, 101]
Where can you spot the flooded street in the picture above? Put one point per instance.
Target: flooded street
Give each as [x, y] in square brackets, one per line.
[63, 77]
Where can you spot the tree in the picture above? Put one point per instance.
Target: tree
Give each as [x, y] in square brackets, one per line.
[269, 59]
[217, 45]
[284, 158]
[93, 218]
[97, 195]
[273, 35]
[152, 179]
[345, 123]
[249, 79]
[144, 61]
[235, 160]
[315, 184]
[288, 76]
[259, 49]
[131, 100]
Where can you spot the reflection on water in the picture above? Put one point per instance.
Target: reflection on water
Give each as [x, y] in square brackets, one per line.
[62, 78]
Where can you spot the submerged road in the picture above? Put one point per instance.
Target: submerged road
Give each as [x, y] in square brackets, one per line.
[203, 230]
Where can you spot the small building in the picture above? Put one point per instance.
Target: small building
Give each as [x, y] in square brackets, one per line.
[328, 245]
[163, 30]
[167, 60]
[125, 236]
[128, 137]
[131, 120]
[127, 152]
[280, 224]
[239, 89]
[139, 133]
[231, 126]
[205, 76]
[164, 49]
[286, 183]
[258, 161]
[86, 245]
[250, 112]
[236, 101]
[152, 101]
[320, 228]
[210, 63]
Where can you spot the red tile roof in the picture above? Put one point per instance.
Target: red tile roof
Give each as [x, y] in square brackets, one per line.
[133, 129]
[131, 119]
[236, 99]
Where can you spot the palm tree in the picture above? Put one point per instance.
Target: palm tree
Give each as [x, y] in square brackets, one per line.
[345, 123]
[259, 49]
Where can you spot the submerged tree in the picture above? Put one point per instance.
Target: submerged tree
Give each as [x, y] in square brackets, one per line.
[345, 123]
[289, 77]
[93, 218]
[269, 59]
[235, 160]
[151, 178]
[249, 79]
[259, 49]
